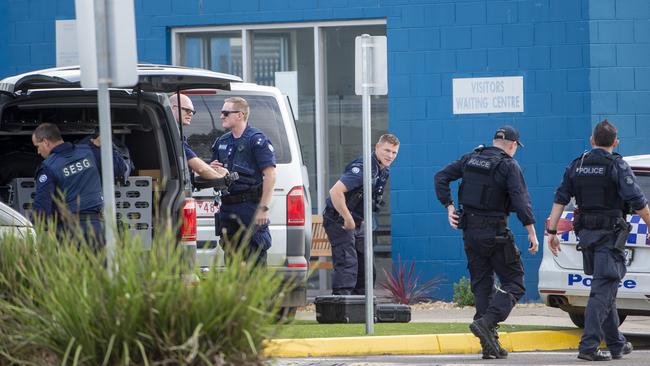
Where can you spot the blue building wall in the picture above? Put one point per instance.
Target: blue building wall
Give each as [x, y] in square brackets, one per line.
[582, 60]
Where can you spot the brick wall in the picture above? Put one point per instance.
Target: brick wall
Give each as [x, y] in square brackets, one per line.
[620, 73]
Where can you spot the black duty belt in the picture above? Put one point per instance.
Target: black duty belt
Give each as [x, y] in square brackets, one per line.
[474, 221]
[242, 197]
[597, 221]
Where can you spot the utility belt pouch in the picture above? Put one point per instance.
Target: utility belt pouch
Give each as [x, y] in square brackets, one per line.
[623, 229]
[587, 258]
[510, 250]
[577, 223]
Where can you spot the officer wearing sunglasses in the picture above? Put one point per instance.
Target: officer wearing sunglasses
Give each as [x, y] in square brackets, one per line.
[195, 163]
[247, 151]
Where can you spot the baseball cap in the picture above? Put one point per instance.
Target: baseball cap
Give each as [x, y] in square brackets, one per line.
[508, 133]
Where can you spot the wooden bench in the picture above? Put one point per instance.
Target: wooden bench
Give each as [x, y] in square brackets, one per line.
[320, 245]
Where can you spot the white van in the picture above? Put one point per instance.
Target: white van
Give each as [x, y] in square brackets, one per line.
[290, 210]
[562, 281]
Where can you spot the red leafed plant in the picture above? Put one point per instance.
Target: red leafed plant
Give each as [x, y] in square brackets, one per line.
[404, 286]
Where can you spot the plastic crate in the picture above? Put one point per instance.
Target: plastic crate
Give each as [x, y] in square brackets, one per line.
[133, 203]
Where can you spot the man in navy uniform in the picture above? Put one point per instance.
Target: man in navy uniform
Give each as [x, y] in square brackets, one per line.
[492, 186]
[196, 164]
[344, 214]
[605, 189]
[69, 173]
[247, 151]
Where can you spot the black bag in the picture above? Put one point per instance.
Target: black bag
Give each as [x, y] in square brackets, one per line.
[341, 308]
[393, 313]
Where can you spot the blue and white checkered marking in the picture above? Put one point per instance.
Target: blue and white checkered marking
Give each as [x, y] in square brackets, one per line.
[638, 235]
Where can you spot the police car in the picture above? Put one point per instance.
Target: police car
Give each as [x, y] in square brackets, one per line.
[13, 223]
[564, 285]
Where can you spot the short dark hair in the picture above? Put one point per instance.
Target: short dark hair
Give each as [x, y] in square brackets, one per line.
[604, 134]
[47, 131]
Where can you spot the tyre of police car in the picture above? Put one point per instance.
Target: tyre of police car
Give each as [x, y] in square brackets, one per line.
[579, 319]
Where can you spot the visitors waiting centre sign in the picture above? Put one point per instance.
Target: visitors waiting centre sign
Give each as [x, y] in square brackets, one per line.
[488, 95]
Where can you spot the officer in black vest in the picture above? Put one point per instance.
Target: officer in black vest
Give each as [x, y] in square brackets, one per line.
[492, 186]
[344, 214]
[605, 189]
[69, 172]
[247, 151]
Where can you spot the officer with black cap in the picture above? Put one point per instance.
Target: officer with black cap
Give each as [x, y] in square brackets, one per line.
[72, 172]
[492, 186]
[245, 150]
[344, 214]
[605, 190]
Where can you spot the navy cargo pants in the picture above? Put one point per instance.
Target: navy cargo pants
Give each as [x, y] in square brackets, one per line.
[601, 317]
[486, 256]
[348, 275]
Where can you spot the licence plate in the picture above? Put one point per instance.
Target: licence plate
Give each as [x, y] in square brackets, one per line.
[205, 208]
[629, 255]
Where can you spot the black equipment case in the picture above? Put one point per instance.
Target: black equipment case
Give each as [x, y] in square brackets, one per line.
[341, 308]
[393, 313]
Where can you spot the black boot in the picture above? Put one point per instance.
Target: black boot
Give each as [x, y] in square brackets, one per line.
[501, 352]
[485, 334]
[596, 355]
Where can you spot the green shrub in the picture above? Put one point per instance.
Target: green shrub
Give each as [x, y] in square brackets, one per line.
[58, 305]
[463, 293]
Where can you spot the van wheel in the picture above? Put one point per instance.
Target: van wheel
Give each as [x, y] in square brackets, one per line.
[579, 319]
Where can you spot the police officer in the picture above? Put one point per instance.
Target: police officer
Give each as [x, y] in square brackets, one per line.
[247, 151]
[195, 163]
[344, 214]
[605, 188]
[69, 173]
[121, 168]
[492, 186]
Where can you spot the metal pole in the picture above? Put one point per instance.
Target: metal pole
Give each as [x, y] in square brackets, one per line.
[103, 105]
[367, 181]
[320, 118]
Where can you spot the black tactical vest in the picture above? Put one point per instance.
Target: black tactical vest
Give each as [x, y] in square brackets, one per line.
[595, 190]
[478, 189]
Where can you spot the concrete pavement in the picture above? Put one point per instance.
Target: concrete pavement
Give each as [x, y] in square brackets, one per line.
[463, 343]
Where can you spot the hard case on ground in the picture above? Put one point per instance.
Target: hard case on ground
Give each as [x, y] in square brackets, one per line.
[341, 309]
[393, 313]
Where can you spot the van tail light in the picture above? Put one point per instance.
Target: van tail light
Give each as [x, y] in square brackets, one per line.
[563, 226]
[188, 229]
[296, 207]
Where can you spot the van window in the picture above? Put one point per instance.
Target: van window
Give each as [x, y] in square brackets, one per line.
[206, 124]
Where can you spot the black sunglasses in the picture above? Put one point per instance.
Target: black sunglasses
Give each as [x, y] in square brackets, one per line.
[187, 110]
[226, 113]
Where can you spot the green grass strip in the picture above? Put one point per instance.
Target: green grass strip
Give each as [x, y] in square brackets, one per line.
[311, 329]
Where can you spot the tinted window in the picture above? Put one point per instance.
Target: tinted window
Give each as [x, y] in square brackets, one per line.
[206, 124]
